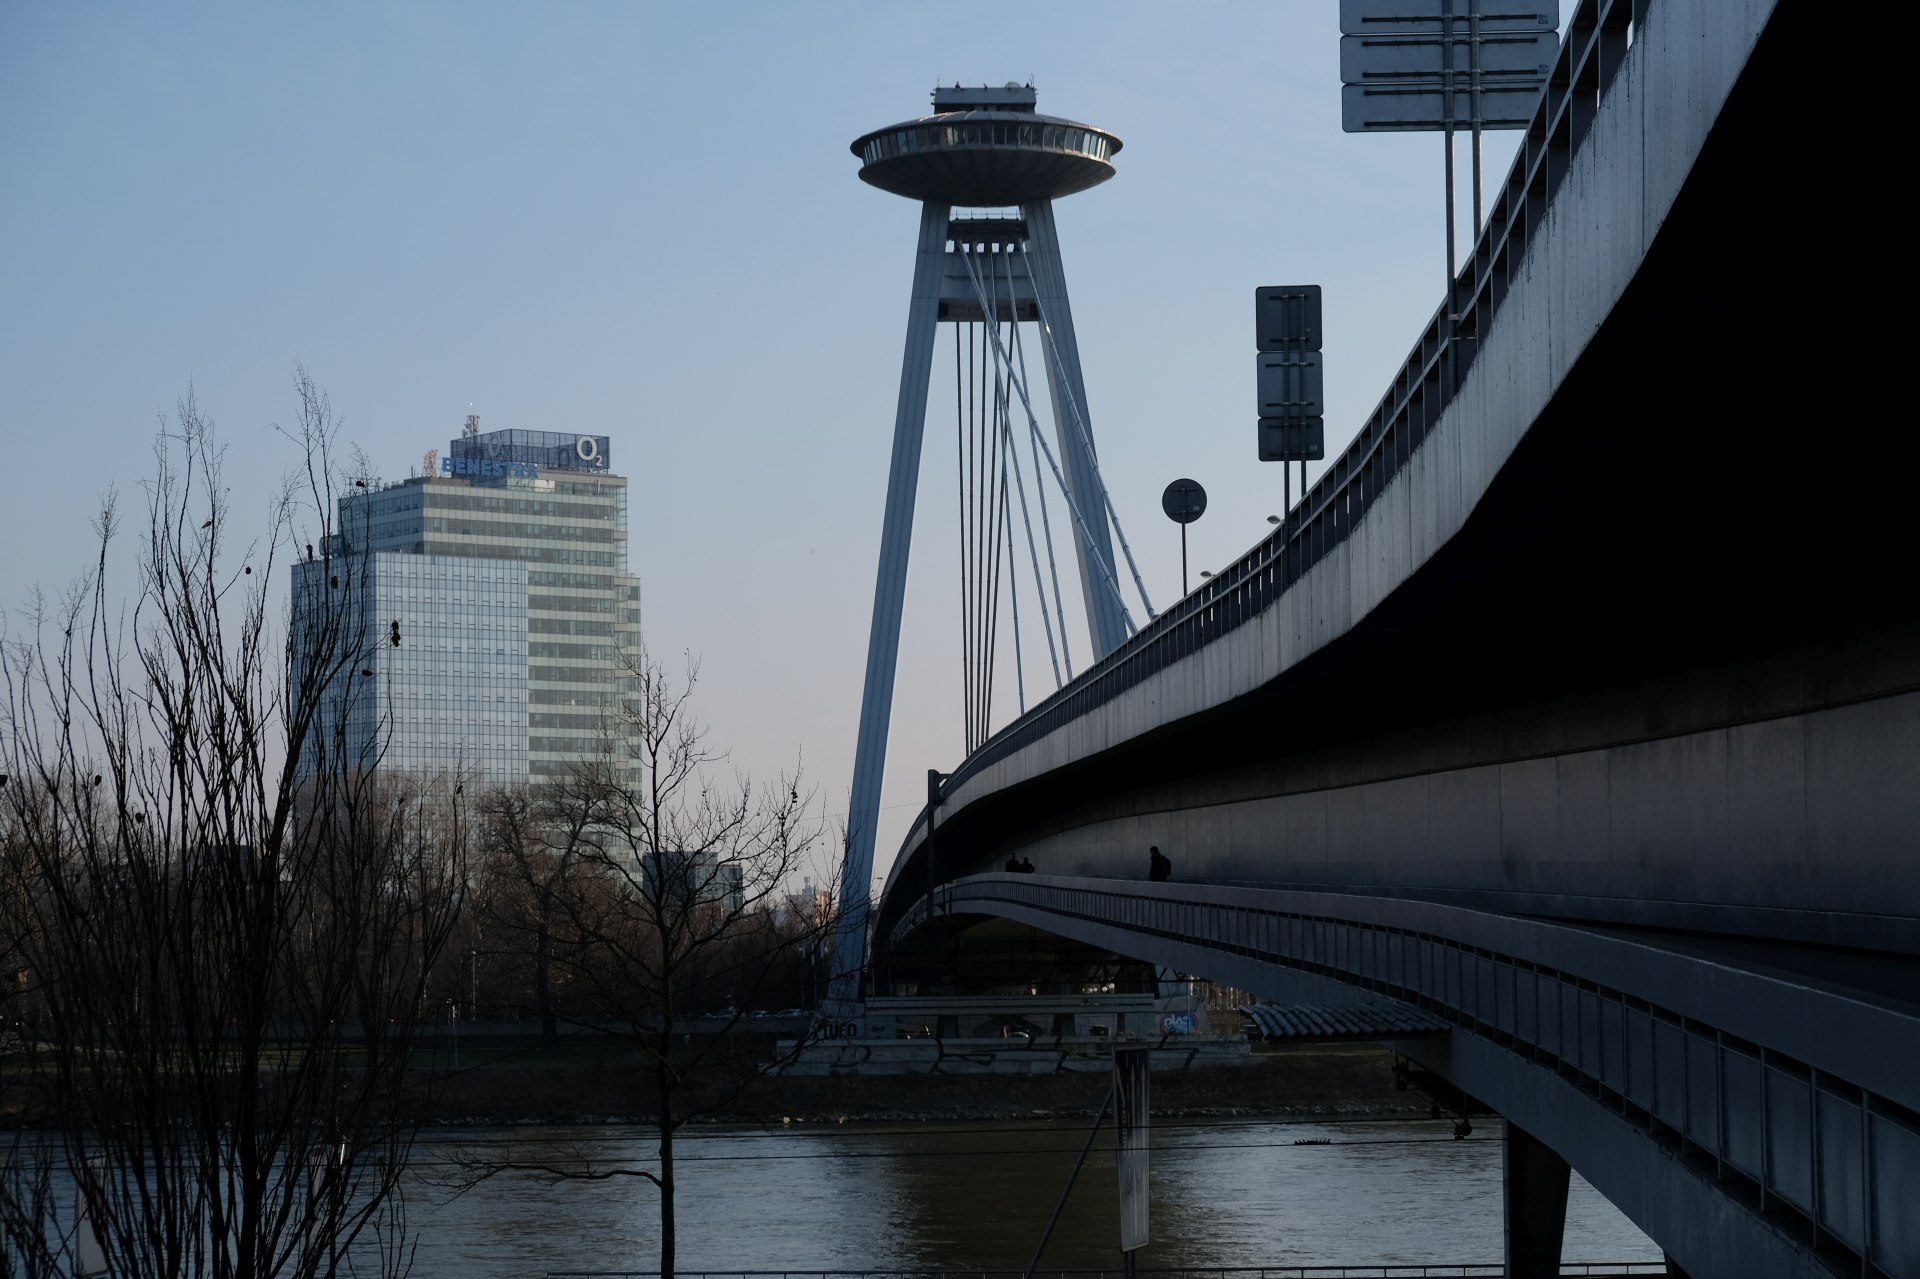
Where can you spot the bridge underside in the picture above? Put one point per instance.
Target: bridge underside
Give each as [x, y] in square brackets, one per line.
[1739, 1156]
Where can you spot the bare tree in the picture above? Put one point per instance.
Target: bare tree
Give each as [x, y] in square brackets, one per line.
[531, 840]
[225, 917]
[659, 884]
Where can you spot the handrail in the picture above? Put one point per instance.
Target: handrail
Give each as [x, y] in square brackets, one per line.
[1598, 36]
[1435, 1270]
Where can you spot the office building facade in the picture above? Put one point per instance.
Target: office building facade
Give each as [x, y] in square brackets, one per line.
[505, 569]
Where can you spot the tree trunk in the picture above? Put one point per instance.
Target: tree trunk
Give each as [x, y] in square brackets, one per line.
[666, 1171]
[542, 983]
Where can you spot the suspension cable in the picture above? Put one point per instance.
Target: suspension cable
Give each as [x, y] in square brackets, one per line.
[1086, 437]
[1046, 522]
[1013, 574]
[975, 336]
[1073, 507]
[980, 487]
[960, 493]
[984, 532]
[1026, 518]
[995, 543]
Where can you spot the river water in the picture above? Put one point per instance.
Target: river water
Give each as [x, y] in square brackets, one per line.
[1225, 1193]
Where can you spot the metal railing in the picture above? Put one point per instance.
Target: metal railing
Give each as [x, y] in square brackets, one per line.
[1448, 1270]
[1590, 58]
[1812, 1147]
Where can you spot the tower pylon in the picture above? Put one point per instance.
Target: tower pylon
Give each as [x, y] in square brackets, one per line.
[982, 148]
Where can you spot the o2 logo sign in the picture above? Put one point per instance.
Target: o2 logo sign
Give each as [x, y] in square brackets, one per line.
[592, 451]
[1177, 1023]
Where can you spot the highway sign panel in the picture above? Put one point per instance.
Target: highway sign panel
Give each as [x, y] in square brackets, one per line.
[1370, 59]
[1365, 17]
[1293, 439]
[1420, 105]
[1286, 317]
[1291, 384]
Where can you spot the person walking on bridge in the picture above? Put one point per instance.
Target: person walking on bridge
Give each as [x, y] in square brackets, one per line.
[1159, 865]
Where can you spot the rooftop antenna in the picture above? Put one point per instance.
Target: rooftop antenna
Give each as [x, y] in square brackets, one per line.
[472, 427]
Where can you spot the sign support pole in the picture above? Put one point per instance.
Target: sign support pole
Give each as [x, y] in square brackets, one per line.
[1473, 53]
[1446, 45]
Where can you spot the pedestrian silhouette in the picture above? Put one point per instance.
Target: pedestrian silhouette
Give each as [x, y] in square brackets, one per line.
[1013, 864]
[1026, 865]
[1159, 865]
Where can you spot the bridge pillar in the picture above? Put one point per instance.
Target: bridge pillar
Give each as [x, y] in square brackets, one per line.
[1535, 1186]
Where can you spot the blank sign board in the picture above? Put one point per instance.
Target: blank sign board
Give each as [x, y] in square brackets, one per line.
[1286, 317]
[1372, 58]
[1293, 439]
[1366, 17]
[1420, 105]
[1291, 384]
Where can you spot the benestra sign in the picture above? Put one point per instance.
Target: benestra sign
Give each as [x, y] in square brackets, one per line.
[484, 467]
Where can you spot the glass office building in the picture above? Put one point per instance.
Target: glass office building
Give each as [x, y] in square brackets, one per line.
[508, 560]
[451, 696]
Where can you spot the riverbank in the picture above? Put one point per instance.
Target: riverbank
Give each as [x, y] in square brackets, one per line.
[602, 1087]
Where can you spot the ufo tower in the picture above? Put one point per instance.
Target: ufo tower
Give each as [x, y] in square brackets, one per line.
[985, 168]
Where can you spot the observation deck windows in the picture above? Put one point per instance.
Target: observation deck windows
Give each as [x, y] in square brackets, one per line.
[911, 140]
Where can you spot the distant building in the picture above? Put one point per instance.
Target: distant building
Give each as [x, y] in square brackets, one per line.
[808, 907]
[518, 622]
[700, 879]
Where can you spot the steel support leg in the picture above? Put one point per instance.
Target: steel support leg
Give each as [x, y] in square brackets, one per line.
[1077, 461]
[889, 593]
[1535, 1183]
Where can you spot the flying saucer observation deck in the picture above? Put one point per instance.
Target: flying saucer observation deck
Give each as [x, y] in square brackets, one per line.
[986, 158]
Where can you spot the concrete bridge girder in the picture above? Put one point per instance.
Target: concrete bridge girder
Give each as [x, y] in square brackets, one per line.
[1602, 218]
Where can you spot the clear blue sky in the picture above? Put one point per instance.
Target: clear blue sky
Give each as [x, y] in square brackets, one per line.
[643, 220]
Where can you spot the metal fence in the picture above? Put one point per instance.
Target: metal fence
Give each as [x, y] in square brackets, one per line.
[1452, 1270]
